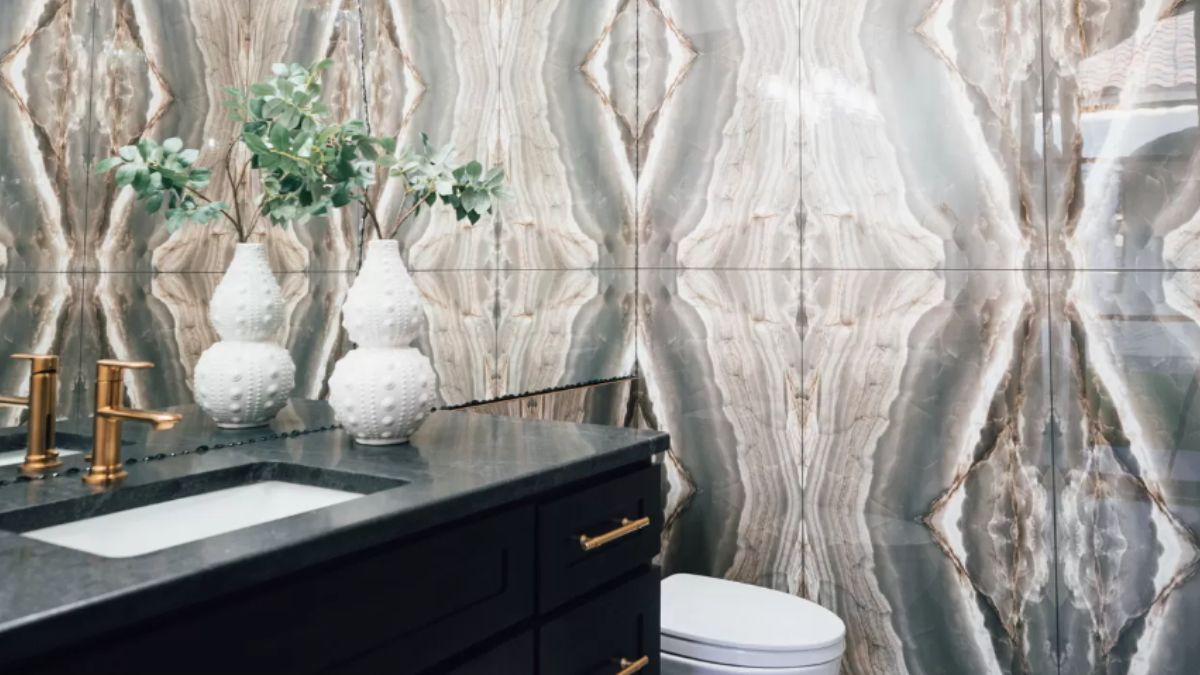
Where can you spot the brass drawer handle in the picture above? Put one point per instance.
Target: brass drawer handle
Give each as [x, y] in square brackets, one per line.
[627, 527]
[629, 667]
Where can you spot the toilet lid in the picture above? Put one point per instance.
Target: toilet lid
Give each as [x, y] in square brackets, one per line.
[730, 623]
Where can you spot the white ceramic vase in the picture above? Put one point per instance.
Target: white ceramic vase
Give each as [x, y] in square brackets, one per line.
[243, 380]
[382, 390]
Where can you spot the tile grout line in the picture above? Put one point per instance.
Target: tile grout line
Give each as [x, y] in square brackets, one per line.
[362, 79]
[1058, 649]
[803, 301]
[637, 187]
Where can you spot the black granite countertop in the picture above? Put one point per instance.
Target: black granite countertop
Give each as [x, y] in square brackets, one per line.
[457, 465]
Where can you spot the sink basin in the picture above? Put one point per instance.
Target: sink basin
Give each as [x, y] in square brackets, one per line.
[14, 457]
[156, 516]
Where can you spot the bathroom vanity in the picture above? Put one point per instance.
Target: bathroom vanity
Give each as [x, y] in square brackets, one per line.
[487, 545]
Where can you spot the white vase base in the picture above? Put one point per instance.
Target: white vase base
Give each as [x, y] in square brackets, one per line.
[242, 425]
[381, 441]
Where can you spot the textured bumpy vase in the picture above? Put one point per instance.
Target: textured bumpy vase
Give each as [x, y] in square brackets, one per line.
[244, 379]
[382, 390]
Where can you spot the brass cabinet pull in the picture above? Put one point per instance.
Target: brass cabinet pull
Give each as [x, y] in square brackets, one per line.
[627, 527]
[629, 667]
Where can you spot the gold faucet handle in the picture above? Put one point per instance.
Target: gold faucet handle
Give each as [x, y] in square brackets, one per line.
[40, 363]
[108, 370]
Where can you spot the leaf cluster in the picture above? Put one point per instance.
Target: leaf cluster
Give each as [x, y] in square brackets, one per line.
[430, 177]
[164, 175]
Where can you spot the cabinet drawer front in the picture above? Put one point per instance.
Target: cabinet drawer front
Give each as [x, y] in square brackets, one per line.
[609, 633]
[595, 535]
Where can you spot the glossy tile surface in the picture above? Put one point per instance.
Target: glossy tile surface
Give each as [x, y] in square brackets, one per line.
[718, 127]
[1128, 347]
[921, 131]
[44, 112]
[1122, 134]
[560, 328]
[525, 85]
[720, 352]
[41, 314]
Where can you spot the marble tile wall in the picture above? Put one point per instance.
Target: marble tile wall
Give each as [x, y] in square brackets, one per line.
[912, 283]
[540, 296]
[918, 304]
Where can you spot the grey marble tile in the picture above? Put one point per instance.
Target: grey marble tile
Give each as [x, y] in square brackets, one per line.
[922, 134]
[1127, 346]
[720, 355]
[41, 313]
[460, 339]
[609, 404]
[160, 70]
[512, 84]
[718, 129]
[928, 512]
[1122, 135]
[44, 94]
[163, 318]
[557, 328]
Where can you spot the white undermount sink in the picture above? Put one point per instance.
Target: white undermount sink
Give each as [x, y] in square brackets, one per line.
[13, 457]
[154, 527]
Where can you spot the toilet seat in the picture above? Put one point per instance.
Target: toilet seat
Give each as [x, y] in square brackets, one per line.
[730, 623]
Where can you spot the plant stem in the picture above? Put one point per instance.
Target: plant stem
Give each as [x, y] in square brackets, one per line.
[233, 185]
[412, 209]
[366, 202]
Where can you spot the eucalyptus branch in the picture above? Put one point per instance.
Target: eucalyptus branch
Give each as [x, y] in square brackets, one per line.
[233, 186]
[366, 202]
[409, 212]
[204, 198]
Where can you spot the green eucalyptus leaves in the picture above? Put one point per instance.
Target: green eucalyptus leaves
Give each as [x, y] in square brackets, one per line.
[164, 175]
[307, 166]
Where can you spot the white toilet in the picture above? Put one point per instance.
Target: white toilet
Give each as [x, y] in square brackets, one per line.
[719, 627]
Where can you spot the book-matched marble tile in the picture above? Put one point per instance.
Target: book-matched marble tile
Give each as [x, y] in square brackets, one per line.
[718, 133]
[558, 328]
[44, 109]
[929, 497]
[1127, 358]
[513, 84]
[460, 340]
[922, 135]
[1122, 135]
[41, 314]
[720, 354]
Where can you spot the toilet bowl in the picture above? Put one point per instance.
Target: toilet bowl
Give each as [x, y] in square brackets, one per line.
[719, 627]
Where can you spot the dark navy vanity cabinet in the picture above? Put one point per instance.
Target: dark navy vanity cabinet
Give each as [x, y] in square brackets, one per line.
[516, 571]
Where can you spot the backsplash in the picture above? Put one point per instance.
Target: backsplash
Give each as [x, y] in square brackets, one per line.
[538, 296]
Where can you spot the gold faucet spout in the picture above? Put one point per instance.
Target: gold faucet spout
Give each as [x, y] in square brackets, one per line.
[110, 414]
[158, 420]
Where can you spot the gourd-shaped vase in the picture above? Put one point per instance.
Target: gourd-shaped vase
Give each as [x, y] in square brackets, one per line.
[243, 380]
[383, 389]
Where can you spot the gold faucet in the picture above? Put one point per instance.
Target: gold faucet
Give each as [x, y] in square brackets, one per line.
[110, 413]
[40, 454]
